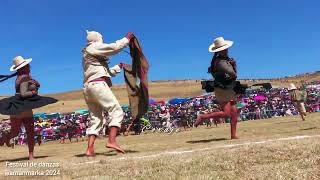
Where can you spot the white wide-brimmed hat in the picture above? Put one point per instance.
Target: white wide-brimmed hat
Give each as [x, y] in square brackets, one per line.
[219, 44]
[19, 62]
[292, 87]
[94, 36]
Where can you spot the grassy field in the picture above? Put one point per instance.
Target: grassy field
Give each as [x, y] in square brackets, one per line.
[265, 150]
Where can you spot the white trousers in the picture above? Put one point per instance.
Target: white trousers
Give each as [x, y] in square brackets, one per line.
[100, 99]
[300, 106]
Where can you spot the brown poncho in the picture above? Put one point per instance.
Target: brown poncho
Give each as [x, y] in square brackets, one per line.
[136, 77]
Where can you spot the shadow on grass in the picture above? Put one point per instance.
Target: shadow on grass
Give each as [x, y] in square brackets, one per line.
[287, 122]
[22, 159]
[310, 128]
[109, 153]
[207, 140]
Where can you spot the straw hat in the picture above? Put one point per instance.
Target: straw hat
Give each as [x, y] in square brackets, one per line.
[292, 87]
[93, 36]
[219, 44]
[19, 62]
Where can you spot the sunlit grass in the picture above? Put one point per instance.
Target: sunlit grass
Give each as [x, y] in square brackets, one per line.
[289, 159]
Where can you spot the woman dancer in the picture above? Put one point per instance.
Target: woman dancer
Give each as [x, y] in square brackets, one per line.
[20, 106]
[223, 69]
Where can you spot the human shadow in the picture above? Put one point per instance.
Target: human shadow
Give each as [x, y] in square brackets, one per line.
[310, 128]
[22, 159]
[287, 122]
[108, 153]
[206, 140]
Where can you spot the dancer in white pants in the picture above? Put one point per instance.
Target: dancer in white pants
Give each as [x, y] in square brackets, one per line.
[97, 83]
[297, 99]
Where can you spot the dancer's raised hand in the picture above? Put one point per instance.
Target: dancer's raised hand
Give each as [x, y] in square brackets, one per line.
[129, 35]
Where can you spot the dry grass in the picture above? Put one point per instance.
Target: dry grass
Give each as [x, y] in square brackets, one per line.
[289, 159]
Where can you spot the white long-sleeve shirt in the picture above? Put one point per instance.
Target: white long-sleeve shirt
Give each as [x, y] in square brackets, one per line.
[107, 50]
[95, 59]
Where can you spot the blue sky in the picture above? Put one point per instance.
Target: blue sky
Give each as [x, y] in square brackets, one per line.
[272, 38]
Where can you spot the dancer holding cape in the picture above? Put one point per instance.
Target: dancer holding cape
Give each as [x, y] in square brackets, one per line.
[19, 107]
[97, 88]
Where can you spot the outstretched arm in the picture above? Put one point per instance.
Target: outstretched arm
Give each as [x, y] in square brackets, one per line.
[115, 69]
[106, 50]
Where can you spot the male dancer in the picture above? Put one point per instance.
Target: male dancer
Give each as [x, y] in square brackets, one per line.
[297, 99]
[97, 83]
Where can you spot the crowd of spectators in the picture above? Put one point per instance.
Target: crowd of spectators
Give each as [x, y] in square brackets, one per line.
[254, 105]
[50, 127]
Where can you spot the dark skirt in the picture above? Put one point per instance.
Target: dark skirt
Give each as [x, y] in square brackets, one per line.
[15, 104]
